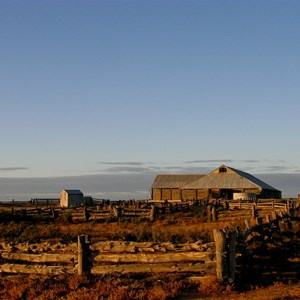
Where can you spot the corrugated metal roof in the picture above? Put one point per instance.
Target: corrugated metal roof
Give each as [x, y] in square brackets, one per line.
[231, 179]
[74, 192]
[235, 179]
[221, 181]
[254, 179]
[174, 181]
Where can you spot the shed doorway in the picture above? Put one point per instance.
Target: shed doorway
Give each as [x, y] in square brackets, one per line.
[226, 194]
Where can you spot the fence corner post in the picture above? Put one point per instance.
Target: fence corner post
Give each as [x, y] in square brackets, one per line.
[225, 254]
[220, 241]
[83, 251]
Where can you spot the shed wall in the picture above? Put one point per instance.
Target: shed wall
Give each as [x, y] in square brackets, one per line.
[156, 194]
[75, 200]
[166, 194]
[189, 194]
[64, 199]
[176, 194]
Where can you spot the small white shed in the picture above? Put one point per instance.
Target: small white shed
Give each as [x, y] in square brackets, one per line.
[70, 198]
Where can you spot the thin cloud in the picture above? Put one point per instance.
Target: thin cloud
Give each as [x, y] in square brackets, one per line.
[126, 163]
[209, 161]
[127, 170]
[277, 168]
[186, 170]
[173, 168]
[8, 169]
[251, 161]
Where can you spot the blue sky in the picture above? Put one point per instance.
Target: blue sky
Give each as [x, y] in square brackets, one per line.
[122, 87]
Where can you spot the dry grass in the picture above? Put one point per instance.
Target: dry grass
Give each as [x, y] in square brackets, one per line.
[112, 287]
[177, 227]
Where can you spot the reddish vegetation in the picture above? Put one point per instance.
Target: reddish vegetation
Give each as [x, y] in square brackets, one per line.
[178, 227]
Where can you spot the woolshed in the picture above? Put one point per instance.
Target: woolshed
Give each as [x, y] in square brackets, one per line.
[70, 198]
[223, 182]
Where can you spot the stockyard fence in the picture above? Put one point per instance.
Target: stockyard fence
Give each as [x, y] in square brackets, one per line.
[105, 210]
[224, 257]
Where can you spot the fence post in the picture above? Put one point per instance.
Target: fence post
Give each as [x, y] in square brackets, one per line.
[253, 212]
[220, 241]
[86, 213]
[214, 214]
[153, 213]
[208, 208]
[226, 205]
[247, 225]
[83, 251]
[259, 221]
[225, 254]
[232, 256]
[117, 211]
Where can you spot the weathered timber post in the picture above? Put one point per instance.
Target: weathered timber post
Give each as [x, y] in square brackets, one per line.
[253, 212]
[226, 205]
[259, 221]
[274, 215]
[153, 213]
[214, 216]
[282, 226]
[220, 241]
[86, 214]
[232, 256]
[208, 209]
[53, 213]
[83, 252]
[247, 225]
[117, 211]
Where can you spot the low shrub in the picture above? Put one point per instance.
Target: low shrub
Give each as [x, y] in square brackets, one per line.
[68, 238]
[65, 218]
[210, 285]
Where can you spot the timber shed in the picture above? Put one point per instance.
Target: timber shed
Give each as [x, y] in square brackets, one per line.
[223, 182]
[70, 198]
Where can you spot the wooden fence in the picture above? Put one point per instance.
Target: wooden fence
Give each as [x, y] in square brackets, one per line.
[218, 257]
[144, 210]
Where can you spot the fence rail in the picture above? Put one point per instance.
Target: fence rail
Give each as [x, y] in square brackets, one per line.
[220, 257]
[145, 210]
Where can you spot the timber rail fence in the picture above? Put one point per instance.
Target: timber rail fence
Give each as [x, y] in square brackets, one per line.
[106, 210]
[231, 253]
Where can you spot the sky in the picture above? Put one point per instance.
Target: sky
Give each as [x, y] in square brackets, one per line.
[131, 89]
